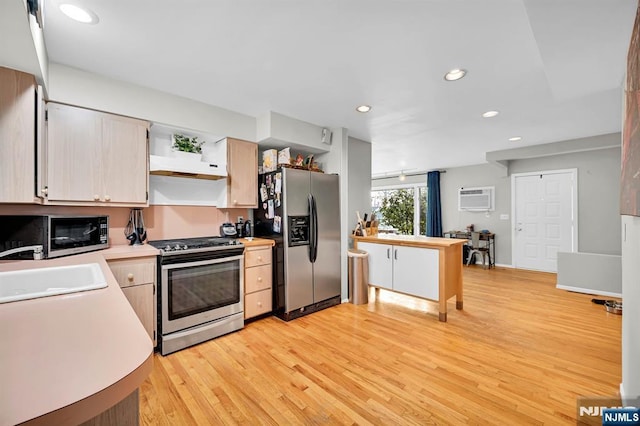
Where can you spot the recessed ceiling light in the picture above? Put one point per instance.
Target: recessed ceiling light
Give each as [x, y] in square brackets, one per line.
[363, 108]
[490, 114]
[515, 139]
[79, 14]
[455, 74]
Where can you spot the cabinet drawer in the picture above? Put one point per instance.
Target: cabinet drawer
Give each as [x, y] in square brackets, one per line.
[257, 257]
[130, 272]
[257, 303]
[257, 278]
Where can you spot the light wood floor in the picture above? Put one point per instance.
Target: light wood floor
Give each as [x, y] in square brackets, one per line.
[519, 353]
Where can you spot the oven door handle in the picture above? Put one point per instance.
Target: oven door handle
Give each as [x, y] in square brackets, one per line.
[205, 262]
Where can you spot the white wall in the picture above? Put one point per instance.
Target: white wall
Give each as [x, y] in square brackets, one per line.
[473, 176]
[76, 87]
[631, 301]
[598, 197]
[359, 169]
[335, 161]
[275, 130]
[22, 46]
[598, 194]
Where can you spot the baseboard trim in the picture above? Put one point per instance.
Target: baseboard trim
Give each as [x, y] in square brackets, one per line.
[505, 266]
[588, 291]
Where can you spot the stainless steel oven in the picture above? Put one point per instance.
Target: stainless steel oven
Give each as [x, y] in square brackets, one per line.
[201, 290]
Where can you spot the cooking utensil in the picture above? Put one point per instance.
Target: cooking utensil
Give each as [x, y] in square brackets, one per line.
[135, 230]
[129, 231]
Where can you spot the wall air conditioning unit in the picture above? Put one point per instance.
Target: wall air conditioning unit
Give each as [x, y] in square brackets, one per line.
[476, 199]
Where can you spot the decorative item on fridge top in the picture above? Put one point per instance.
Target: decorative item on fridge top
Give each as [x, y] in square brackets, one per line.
[135, 230]
[284, 156]
[269, 160]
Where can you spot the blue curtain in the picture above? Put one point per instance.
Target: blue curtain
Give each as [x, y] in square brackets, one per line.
[434, 209]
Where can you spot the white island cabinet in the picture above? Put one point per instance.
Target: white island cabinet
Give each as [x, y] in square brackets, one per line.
[425, 267]
[380, 264]
[407, 270]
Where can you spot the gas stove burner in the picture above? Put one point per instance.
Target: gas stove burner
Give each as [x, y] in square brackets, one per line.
[187, 245]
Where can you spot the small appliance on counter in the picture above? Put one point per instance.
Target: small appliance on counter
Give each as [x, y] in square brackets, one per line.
[243, 229]
[135, 230]
[53, 235]
[229, 230]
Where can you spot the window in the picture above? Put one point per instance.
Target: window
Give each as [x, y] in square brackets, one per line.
[401, 210]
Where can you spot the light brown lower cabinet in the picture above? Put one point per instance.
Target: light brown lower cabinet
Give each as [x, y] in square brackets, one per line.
[257, 281]
[137, 278]
[142, 300]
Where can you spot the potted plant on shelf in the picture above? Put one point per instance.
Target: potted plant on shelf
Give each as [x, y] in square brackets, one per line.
[187, 148]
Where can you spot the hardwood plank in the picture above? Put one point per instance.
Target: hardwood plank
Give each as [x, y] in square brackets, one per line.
[520, 352]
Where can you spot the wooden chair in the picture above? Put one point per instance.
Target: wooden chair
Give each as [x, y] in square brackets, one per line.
[476, 248]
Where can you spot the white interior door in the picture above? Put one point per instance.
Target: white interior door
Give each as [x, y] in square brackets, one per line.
[545, 218]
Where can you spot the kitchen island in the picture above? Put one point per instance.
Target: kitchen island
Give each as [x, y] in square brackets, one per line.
[425, 267]
[72, 358]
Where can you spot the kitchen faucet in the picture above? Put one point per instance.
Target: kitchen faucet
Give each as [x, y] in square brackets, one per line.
[37, 251]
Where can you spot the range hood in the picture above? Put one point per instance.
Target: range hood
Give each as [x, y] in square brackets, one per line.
[178, 167]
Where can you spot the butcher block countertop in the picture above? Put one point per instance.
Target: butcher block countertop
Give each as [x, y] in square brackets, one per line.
[253, 242]
[65, 359]
[411, 240]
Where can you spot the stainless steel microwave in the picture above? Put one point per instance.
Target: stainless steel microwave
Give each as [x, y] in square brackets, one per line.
[57, 235]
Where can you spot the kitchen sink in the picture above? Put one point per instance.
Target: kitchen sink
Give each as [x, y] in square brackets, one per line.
[43, 282]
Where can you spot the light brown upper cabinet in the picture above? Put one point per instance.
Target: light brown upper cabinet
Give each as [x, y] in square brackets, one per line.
[95, 158]
[242, 168]
[18, 100]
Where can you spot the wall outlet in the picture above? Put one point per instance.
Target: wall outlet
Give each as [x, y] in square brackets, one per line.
[504, 217]
[240, 218]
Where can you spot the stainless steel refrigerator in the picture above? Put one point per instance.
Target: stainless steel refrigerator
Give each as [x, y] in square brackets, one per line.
[301, 211]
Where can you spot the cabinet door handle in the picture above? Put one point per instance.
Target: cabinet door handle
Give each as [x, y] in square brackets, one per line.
[259, 279]
[395, 254]
[45, 191]
[260, 304]
[388, 253]
[96, 197]
[260, 258]
[130, 277]
[107, 198]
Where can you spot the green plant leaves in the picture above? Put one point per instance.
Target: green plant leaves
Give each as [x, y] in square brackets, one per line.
[187, 144]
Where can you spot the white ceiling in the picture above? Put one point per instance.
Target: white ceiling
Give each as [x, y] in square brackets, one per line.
[553, 68]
